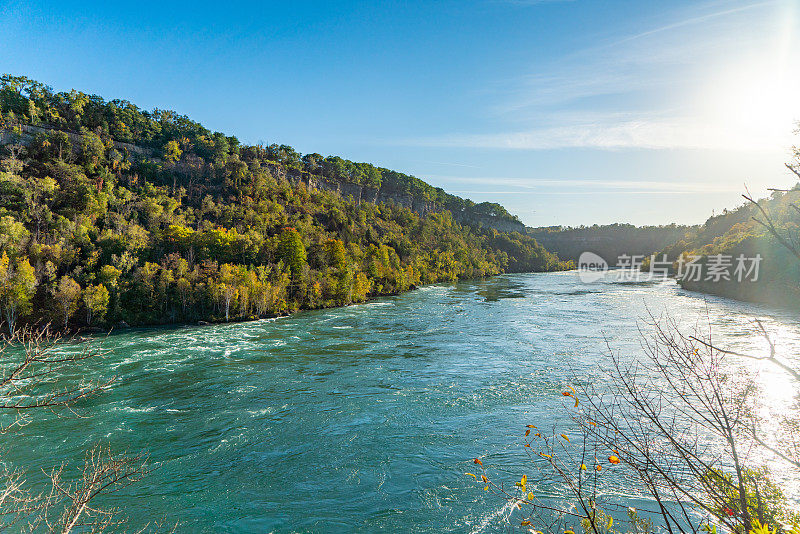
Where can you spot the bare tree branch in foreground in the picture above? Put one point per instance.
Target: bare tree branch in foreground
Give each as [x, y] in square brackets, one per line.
[32, 367]
[676, 425]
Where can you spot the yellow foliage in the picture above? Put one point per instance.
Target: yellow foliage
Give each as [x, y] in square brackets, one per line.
[758, 528]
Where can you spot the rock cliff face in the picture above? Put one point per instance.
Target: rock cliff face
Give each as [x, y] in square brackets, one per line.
[358, 192]
[386, 195]
[29, 132]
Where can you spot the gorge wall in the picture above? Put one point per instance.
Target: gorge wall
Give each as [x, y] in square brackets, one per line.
[26, 133]
[386, 195]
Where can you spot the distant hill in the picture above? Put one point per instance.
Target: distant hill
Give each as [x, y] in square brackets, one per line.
[608, 241]
[113, 214]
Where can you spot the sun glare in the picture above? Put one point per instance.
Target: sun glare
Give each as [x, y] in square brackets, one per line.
[752, 102]
[759, 104]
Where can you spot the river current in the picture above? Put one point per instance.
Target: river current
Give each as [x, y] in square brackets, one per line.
[365, 418]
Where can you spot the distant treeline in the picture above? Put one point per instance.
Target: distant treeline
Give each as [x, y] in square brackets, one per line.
[608, 241]
[195, 226]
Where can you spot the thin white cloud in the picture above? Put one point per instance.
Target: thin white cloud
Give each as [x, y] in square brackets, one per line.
[449, 164]
[645, 133]
[656, 89]
[697, 20]
[570, 186]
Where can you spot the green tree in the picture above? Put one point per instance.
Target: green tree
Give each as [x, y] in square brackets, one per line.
[312, 163]
[335, 254]
[92, 150]
[292, 251]
[764, 499]
[96, 300]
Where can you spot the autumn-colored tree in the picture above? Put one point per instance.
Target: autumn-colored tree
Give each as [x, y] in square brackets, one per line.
[228, 287]
[172, 151]
[67, 295]
[17, 286]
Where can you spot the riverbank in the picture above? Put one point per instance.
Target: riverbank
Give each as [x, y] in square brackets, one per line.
[772, 294]
[117, 327]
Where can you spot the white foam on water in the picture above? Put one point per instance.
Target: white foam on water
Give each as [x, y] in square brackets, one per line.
[131, 409]
[263, 411]
[491, 518]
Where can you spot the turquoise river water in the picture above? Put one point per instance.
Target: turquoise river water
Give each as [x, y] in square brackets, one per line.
[365, 418]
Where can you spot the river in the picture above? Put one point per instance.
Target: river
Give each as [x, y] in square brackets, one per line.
[365, 418]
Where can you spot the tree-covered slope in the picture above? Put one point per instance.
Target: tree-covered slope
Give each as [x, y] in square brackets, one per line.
[744, 232]
[109, 213]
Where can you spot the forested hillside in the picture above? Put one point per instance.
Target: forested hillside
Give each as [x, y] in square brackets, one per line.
[745, 232]
[109, 213]
[609, 241]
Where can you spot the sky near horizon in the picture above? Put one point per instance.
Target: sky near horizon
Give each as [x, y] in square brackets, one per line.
[566, 112]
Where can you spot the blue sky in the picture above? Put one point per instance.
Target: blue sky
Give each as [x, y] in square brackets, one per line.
[567, 112]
